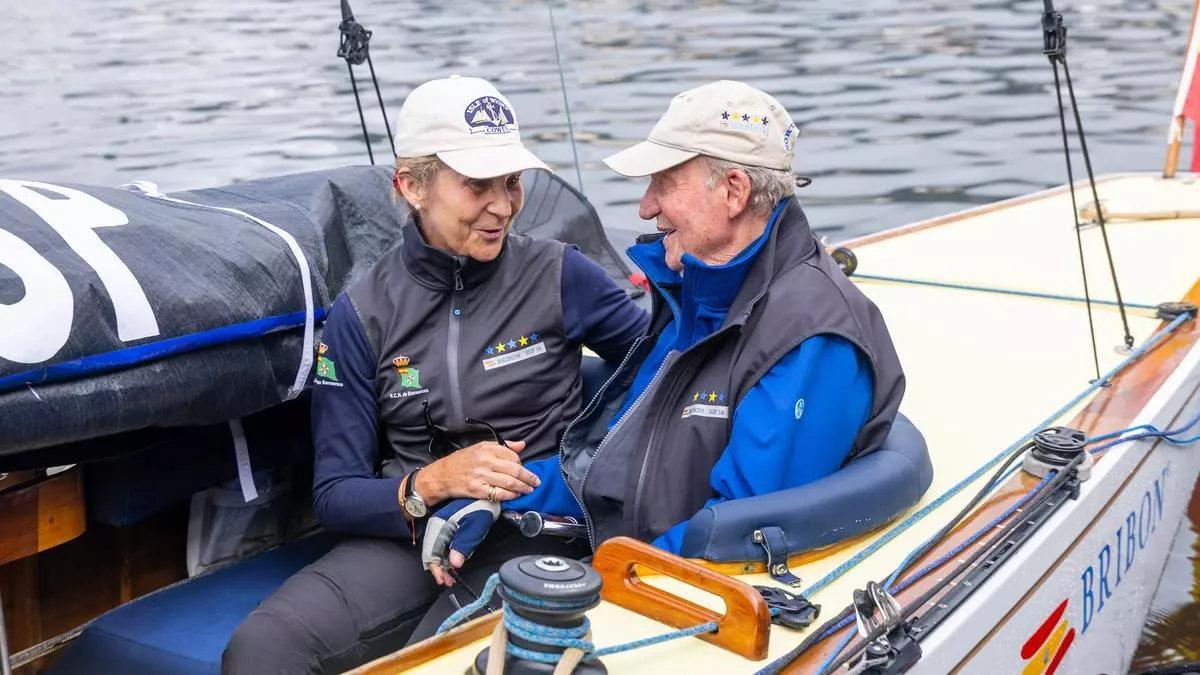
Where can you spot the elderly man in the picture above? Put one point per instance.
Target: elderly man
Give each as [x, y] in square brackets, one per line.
[763, 368]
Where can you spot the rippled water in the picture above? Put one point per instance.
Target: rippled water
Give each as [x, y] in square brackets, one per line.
[907, 109]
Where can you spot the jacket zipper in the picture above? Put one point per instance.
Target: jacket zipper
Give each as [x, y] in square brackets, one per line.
[639, 490]
[457, 416]
[628, 413]
[584, 413]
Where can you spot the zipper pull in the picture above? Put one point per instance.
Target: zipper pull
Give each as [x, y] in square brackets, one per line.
[458, 284]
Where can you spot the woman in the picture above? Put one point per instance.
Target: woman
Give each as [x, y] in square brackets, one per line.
[454, 360]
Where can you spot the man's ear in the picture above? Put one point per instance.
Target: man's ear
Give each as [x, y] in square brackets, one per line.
[408, 188]
[737, 198]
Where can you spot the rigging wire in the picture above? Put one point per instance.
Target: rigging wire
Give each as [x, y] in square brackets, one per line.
[1054, 35]
[562, 83]
[354, 47]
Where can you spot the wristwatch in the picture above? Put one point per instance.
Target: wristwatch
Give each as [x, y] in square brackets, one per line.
[414, 504]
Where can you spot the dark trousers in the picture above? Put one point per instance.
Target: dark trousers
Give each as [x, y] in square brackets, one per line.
[364, 599]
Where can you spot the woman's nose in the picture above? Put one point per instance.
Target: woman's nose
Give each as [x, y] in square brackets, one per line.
[501, 204]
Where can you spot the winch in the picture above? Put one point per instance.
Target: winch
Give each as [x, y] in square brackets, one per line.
[1055, 447]
[545, 597]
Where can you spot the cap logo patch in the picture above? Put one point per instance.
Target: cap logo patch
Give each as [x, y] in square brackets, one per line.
[489, 115]
[744, 121]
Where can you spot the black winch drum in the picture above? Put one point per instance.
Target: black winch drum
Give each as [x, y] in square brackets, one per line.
[565, 583]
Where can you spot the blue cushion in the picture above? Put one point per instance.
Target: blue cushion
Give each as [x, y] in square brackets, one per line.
[183, 630]
[864, 494]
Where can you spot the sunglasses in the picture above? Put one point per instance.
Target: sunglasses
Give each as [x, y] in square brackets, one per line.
[440, 443]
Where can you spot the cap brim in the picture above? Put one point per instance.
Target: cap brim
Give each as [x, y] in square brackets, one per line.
[646, 158]
[490, 162]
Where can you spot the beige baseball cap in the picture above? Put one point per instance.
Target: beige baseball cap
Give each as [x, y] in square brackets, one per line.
[726, 119]
[467, 123]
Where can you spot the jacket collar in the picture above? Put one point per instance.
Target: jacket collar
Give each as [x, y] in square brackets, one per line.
[716, 287]
[439, 270]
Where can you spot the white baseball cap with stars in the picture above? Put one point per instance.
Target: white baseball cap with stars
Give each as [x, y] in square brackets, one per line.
[726, 119]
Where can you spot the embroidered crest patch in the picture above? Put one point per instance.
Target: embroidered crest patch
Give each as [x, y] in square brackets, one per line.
[410, 378]
[489, 115]
[326, 370]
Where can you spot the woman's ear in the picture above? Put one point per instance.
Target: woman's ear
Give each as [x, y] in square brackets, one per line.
[408, 188]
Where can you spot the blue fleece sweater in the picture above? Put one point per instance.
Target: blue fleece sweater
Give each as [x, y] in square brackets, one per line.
[797, 424]
[347, 495]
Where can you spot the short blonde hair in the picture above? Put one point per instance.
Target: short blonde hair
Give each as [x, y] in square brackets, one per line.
[422, 169]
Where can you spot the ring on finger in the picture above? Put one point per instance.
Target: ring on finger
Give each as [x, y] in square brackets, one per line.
[491, 494]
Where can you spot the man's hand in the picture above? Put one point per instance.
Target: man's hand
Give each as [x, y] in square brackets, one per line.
[453, 533]
[474, 471]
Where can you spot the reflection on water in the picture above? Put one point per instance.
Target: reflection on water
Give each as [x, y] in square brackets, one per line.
[907, 109]
[1172, 631]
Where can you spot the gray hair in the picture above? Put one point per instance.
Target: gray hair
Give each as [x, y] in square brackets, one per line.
[422, 170]
[767, 186]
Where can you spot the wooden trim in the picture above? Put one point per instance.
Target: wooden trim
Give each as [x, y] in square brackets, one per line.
[41, 514]
[427, 650]
[744, 629]
[1088, 213]
[1171, 164]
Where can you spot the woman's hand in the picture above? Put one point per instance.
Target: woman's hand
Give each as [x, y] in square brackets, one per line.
[474, 470]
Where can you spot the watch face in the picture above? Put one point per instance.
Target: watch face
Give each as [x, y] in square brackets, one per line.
[415, 507]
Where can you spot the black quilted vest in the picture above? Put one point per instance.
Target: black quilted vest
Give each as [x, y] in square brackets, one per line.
[652, 470]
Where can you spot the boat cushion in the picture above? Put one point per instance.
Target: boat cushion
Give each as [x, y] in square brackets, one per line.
[183, 630]
[859, 497]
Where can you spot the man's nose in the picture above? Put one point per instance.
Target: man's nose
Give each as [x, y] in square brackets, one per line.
[648, 209]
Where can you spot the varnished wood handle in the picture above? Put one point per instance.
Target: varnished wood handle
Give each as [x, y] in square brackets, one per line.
[744, 629]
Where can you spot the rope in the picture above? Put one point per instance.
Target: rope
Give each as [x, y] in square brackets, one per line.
[1003, 291]
[1151, 431]
[562, 83]
[1062, 121]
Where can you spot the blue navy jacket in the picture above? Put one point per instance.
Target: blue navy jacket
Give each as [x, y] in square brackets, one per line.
[797, 424]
